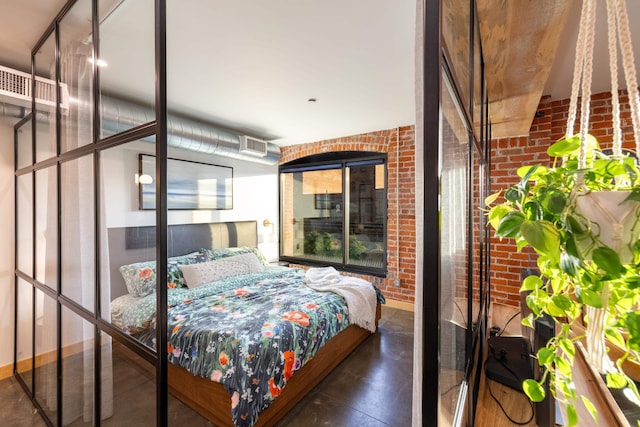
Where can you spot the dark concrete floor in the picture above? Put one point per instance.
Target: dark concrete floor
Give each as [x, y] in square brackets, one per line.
[372, 387]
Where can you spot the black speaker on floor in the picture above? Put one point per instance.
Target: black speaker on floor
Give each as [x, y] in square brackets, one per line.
[508, 361]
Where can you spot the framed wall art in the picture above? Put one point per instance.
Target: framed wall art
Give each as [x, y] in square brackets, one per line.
[190, 185]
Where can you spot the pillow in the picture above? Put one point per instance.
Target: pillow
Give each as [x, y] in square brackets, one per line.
[228, 252]
[212, 271]
[119, 306]
[140, 277]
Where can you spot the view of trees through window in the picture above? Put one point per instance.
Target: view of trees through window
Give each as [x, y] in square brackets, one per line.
[334, 212]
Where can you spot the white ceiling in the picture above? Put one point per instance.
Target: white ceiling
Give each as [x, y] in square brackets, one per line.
[252, 66]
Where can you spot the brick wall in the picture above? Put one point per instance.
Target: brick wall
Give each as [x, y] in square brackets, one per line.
[399, 144]
[507, 154]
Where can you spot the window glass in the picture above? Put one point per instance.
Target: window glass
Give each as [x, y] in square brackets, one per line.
[25, 145]
[367, 214]
[126, 33]
[131, 383]
[24, 224]
[24, 331]
[77, 230]
[47, 226]
[335, 214]
[76, 69]
[454, 249]
[78, 370]
[45, 67]
[46, 351]
[135, 250]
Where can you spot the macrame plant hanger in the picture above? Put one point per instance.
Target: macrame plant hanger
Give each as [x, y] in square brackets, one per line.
[605, 209]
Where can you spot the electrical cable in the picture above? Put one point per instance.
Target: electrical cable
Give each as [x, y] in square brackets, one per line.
[488, 382]
[507, 324]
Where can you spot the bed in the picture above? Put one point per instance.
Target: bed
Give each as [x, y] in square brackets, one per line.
[236, 341]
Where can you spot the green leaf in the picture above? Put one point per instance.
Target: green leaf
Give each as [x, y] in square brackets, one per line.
[569, 263]
[572, 415]
[616, 380]
[575, 226]
[545, 356]
[615, 336]
[631, 322]
[563, 366]
[530, 283]
[564, 147]
[492, 198]
[509, 225]
[554, 201]
[608, 260]
[533, 390]
[589, 297]
[590, 407]
[514, 194]
[496, 214]
[533, 210]
[542, 236]
[567, 346]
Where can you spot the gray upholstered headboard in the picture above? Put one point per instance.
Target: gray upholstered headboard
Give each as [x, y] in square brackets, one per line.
[135, 244]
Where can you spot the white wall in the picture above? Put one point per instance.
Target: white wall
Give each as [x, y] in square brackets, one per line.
[7, 247]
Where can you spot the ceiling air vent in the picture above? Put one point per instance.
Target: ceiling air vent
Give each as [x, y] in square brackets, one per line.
[253, 146]
[15, 89]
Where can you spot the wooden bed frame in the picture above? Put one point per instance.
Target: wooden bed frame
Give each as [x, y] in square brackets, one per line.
[209, 398]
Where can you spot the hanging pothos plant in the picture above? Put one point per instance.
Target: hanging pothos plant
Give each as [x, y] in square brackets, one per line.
[588, 273]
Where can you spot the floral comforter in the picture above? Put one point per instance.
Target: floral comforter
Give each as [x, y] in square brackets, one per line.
[250, 333]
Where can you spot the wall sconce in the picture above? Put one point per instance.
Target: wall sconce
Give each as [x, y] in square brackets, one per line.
[268, 234]
[144, 179]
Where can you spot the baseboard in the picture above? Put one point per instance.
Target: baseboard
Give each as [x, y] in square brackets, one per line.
[402, 305]
[6, 371]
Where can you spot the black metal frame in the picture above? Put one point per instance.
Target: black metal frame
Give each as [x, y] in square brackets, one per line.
[434, 50]
[158, 128]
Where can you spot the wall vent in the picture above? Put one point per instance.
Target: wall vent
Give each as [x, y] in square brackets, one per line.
[253, 146]
[15, 88]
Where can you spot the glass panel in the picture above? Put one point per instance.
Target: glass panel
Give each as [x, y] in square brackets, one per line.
[46, 354]
[78, 231]
[47, 227]
[25, 145]
[24, 224]
[477, 83]
[126, 33]
[128, 386]
[24, 330]
[78, 370]
[454, 249]
[46, 107]
[367, 212]
[119, 192]
[455, 35]
[76, 69]
[312, 210]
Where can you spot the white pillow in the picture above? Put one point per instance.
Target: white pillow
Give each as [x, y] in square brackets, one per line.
[211, 271]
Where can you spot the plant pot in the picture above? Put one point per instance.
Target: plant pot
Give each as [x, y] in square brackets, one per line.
[612, 222]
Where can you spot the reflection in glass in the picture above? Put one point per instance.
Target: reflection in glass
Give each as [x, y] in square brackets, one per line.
[455, 35]
[313, 226]
[77, 370]
[46, 326]
[77, 230]
[126, 33]
[367, 213]
[24, 151]
[45, 67]
[47, 227]
[133, 385]
[24, 331]
[478, 227]
[454, 250]
[24, 224]
[119, 202]
[76, 69]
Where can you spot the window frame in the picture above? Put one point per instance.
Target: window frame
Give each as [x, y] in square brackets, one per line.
[324, 161]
